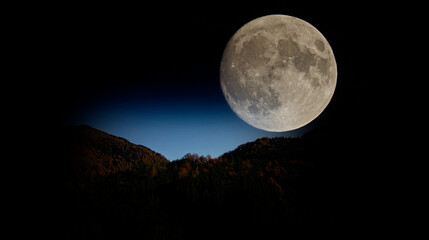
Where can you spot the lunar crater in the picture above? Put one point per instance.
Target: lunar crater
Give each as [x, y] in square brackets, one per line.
[319, 45]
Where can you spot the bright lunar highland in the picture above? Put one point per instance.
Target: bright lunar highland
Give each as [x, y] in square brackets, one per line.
[278, 73]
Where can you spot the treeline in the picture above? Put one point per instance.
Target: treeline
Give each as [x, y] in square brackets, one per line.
[268, 188]
[89, 152]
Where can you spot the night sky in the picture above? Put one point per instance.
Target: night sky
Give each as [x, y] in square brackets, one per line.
[150, 74]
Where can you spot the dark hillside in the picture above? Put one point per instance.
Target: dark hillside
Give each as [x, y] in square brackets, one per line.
[90, 152]
[268, 188]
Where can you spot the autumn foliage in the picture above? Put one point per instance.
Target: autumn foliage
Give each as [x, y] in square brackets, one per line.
[118, 189]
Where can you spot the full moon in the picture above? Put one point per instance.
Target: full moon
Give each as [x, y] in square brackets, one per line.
[278, 73]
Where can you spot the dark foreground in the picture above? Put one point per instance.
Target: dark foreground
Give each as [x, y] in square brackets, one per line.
[270, 188]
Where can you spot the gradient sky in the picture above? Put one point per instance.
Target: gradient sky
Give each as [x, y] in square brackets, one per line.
[172, 122]
[151, 75]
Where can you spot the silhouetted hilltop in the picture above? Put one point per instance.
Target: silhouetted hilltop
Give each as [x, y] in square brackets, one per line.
[91, 152]
[269, 148]
[263, 188]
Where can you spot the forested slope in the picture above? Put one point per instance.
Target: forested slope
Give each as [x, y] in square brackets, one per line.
[266, 188]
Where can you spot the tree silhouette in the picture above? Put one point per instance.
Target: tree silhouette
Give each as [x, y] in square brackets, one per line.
[123, 190]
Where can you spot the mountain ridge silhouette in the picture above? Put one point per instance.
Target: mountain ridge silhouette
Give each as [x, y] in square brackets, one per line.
[262, 188]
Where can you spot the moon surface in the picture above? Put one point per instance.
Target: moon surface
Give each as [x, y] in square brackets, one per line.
[278, 73]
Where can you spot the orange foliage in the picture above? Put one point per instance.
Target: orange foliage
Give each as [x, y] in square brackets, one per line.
[274, 182]
[183, 172]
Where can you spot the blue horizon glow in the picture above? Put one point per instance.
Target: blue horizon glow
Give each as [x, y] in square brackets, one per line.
[174, 127]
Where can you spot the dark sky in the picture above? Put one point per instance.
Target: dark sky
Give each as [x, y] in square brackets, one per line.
[150, 73]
